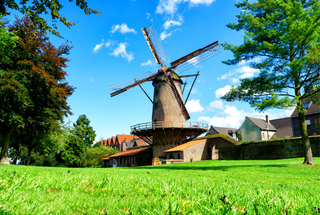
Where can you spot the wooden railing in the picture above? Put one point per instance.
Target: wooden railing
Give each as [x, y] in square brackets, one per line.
[169, 124]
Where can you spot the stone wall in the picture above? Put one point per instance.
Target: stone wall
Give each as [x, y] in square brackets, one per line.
[272, 149]
[196, 153]
[278, 149]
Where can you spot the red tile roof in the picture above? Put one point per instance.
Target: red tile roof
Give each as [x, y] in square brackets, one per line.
[109, 141]
[129, 152]
[140, 142]
[124, 137]
[107, 158]
[113, 140]
[184, 146]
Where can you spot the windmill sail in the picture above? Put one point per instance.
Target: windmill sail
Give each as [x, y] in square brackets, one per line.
[196, 57]
[154, 44]
[124, 86]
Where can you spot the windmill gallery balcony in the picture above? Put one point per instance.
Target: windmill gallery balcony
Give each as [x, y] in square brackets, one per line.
[168, 132]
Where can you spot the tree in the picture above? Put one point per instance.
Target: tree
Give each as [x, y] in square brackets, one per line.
[286, 37]
[7, 42]
[84, 131]
[93, 155]
[80, 138]
[36, 8]
[32, 84]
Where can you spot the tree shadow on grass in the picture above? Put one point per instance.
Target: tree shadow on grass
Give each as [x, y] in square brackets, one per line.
[208, 167]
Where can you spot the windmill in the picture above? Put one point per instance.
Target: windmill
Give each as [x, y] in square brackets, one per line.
[169, 126]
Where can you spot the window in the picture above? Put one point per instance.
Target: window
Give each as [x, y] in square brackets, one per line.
[317, 125]
[262, 135]
[308, 123]
[306, 105]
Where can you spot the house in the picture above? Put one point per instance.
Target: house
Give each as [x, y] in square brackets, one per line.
[213, 147]
[312, 117]
[121, 139]
[221, 130]
[283, 126]
[255, 129]
[141, 156]
[113, 142]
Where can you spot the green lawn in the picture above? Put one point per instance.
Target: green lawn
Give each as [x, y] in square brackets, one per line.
[207, 187]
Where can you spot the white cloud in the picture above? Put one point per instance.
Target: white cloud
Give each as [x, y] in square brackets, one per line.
[171, 23]
[227, 121]
[148, 63]
[233, 112]
[273, 114]
[171, 6]
[164, 35]
[102, 44]
[168, 6]
[121, 51]
[235, 80]
[109, 43]
[206, 2]
[234, 77]
[195, 91]
[243, 62]
[247, 72]
[98, 47]
[148, 15]
[122, 29]
[227, 75]
[194, 106]
[222, 91]
[216, 104]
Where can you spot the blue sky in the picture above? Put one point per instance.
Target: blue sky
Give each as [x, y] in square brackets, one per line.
[110, 48]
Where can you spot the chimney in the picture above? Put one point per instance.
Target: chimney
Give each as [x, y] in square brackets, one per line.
[267, 119]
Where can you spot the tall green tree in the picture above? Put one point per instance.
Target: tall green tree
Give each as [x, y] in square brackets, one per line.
[285, 34]
[37, 8]
[7, 42]
[80, 138]
[33, 89]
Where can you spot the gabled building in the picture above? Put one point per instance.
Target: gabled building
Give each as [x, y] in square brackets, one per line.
[212, 147]
[312, 119]
[255, 129]
[221, 130]
[121, 140]
[141, 156]
[283, 126]
[113, 142]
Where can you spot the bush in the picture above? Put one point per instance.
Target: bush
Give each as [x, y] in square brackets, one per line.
[93, 156]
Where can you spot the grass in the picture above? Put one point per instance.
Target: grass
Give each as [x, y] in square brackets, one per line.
[207, 187]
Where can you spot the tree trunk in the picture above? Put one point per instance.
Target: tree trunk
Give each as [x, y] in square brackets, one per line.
[305, 138]
[15, 159]
[4, 157]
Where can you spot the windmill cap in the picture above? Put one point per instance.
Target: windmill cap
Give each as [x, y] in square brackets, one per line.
[175, 77]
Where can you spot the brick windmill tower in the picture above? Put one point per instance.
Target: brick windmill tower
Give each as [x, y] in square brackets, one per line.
[169, 126]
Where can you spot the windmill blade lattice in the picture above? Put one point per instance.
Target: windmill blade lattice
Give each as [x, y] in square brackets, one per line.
[196, 57]
[155, 45]
[125, 85]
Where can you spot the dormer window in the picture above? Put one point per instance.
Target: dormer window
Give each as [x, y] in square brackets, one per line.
[306, 105]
